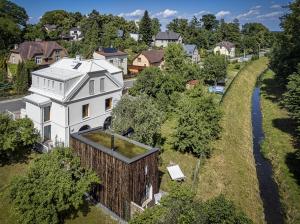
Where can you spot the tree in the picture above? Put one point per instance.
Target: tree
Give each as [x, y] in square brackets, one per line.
[16, 138]
[155, 25]
[33, 32]
[145, 28]
[146, 82]
[109, 34]
[209, 22]
[14, 12]
[140, 113]
[198, 122]
[181, 206]
[179, 26]
[175, 58]
[258, 31]
[292, 98]
[91, 40]
[52, 188]
[214, 68]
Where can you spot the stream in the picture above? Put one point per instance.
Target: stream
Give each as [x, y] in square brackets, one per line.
[267, 186]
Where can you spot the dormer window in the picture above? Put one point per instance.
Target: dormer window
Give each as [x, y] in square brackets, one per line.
[38, 60]
[77, 66]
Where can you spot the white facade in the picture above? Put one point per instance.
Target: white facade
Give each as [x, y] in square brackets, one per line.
[164, 43]
[76, 34]
[224, 51]
[75, 98]
[119, 61]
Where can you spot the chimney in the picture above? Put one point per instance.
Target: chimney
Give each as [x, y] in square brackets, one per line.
[78, 57]
[16, 46]
[112, 140]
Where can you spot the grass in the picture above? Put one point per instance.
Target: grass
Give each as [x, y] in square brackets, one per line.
[231, 169]
[121, 146]
[278, 146]
[90, 214]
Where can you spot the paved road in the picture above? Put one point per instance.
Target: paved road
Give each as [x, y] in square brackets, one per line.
[11, 105]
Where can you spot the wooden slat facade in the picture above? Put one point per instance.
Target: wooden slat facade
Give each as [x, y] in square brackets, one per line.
[121, 182]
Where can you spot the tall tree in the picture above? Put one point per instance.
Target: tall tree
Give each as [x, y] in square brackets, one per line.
[155, 25]
[14, 12]
[179, 26]
[174, 58]
[53, 187]
[198, 123]
[145, 28]
[214, 68]
[209, 22]
[91, 40]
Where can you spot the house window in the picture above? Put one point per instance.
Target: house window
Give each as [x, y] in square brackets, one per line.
[44, 82]
[56, 52]
[60, 86]
[46, 113]
[111, 61]
[139, 59]
[38, 60]
[52, 84]
[85, 110]
[121, 60]
[13, 59]
[57, 57]
[102, 85]
[91, 87]
[108, 104]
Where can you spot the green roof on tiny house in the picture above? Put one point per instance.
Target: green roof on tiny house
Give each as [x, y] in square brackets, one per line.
[116, 145]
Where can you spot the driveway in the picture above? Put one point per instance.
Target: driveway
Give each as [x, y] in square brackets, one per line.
[11, 105]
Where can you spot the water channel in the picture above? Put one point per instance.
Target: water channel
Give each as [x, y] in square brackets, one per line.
[267, 186]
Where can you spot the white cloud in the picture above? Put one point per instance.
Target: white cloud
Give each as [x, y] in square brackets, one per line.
[203, 12]
[166, 13]
[256, 7]
[275, 6]
[135, 13]
[269, 15]
[251, 12]
[222, 13]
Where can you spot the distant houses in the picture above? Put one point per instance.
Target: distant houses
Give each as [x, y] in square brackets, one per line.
[114, 56]
[225, 48]
[162, 39]
[76, 33]
[149, 58]
[43, 53]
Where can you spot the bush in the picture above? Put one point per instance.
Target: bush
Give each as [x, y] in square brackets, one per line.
[237, 66]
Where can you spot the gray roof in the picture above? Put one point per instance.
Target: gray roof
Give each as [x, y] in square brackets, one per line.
[189, 49]
[168, 35]
[75, 28]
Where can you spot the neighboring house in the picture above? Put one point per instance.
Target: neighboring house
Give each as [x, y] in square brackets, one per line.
[50, 27]
[134, 36]
[225, 48]
[162, 39]
[192, 52]
[72, 95]
[120, 33]
[114, 56]
[192, 83]
[76, 33]
[43, 53]
[149, 58]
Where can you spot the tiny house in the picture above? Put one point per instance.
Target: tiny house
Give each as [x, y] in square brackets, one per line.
[128, 170]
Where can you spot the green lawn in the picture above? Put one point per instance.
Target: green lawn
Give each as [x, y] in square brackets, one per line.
[278, 146]
[8, 216]
[231, 169]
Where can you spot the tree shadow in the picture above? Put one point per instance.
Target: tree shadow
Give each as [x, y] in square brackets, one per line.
[273, 88]
[14, 157]
[84, 209]
[160, 176]
[292, 160]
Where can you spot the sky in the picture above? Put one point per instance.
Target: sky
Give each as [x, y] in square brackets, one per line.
[267, 12]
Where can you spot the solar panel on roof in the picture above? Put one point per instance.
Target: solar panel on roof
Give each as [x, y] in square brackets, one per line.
[77, 65]
[110, 50]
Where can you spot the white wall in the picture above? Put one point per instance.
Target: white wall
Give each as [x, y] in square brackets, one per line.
[35, 114]
[116, 61]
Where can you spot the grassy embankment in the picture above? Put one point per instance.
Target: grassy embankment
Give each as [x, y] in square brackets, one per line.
[279, 147]
[231, 169]
[89, 215]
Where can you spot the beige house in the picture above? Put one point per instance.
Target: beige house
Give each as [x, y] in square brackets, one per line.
[162, 39]
[114, 56]
[149, 58]
[43, 53]
[225, 48]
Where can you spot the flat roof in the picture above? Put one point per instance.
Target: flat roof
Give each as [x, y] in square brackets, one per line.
[37, 99]
[127, 157]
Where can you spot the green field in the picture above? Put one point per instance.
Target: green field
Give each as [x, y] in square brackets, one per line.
[89, 215]
[231, 169]
[278, 146]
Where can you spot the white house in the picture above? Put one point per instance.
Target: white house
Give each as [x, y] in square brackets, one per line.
[225, 48]
[162, 39]
[114, 56]
[134, 36]
[72, 95]
[75, 33]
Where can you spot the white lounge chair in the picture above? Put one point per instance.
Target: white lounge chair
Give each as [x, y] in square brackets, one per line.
[175, 173]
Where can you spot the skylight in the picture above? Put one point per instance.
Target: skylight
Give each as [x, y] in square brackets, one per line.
[77, 65]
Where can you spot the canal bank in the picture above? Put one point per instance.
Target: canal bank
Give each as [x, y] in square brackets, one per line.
[267, 186]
